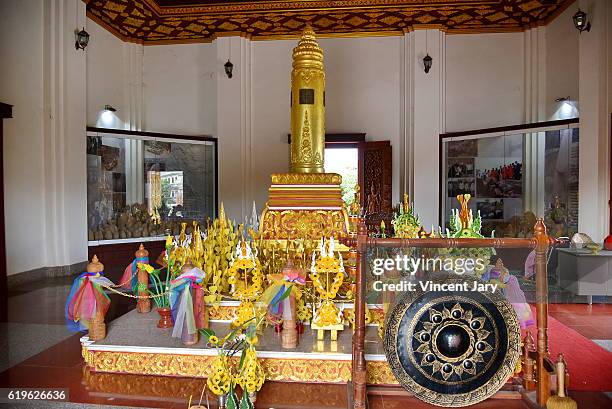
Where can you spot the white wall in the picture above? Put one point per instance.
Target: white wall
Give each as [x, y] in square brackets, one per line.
[180, 89]
[21, 84]
[363, 90]
[594, 78]
[44, 163]
[271, 115]
[562, 65]
[374, 85]
[484, 80]
[104, 77]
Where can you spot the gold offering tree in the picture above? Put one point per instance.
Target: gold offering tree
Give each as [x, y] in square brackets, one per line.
[327, 275]
[246, 279]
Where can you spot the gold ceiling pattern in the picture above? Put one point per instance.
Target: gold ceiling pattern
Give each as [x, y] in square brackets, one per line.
[168, 21]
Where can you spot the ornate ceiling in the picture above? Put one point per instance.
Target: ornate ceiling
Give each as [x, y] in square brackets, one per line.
[175, 21]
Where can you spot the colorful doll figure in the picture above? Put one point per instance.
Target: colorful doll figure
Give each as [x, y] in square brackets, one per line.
[512, 290]
[290, 279]
[87, 303]
[181, 303]
[129, 280]
[137, 280]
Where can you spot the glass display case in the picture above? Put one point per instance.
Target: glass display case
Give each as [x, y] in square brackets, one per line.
[514, 174]
[144, 185]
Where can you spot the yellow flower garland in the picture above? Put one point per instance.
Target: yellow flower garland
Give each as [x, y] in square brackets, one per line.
[252, 291]
[334, 286]
[251, 377]
[220, 379]
[327, 314]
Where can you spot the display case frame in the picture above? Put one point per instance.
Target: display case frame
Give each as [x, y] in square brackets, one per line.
[168, 138]
[538, 129]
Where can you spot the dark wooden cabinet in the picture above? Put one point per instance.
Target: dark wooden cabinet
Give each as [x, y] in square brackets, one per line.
[6, 111]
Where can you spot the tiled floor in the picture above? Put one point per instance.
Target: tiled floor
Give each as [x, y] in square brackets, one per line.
[592, 321]
[40, 309]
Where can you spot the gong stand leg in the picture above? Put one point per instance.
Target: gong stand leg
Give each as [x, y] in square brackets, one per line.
[529, 380]
[541, 253]
[359, 363]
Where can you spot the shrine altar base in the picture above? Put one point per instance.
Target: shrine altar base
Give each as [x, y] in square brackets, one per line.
[134, 345]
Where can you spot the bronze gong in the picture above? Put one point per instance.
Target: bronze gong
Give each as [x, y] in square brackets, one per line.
[452, 348]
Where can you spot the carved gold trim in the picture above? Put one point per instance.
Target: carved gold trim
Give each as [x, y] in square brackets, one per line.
[306, 179]
[309, 224]
[379, 373]
[353, 34]
[290, 6]
[222, 313]
[199, 366]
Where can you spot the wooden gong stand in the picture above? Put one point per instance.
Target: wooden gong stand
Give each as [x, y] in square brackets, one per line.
[541, 242]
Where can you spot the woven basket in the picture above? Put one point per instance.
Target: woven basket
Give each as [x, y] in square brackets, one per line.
[289, 334]
[97, 328]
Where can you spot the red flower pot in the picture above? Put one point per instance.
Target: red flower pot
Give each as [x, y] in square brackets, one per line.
[165, 318]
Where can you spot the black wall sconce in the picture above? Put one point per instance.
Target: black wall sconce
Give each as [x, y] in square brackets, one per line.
[427, 61]
[581, 21]
[229, 68]
[82, 39]
[109, 108]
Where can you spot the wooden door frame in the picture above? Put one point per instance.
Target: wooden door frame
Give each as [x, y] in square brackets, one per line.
[355, 141]
[6, 111]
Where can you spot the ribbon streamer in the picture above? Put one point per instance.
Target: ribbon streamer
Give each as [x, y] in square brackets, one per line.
[86, 299]
[181, 301]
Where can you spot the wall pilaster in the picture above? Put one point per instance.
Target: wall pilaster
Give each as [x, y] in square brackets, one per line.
[64, 98]
[234, 126]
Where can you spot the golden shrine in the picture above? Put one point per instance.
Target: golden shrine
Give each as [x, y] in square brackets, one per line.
[306, 203]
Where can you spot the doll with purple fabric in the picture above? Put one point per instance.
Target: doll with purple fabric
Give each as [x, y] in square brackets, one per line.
[512, 290]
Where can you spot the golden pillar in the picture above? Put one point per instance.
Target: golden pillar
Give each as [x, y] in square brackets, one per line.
[307, 202]
[307, 106]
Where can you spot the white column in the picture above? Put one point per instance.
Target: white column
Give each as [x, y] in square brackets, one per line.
[234, 126]
[424, 120]
[133, 102]
[133, 86]
[594, 79]
[534, 58]
[406, 134]
[65, 193]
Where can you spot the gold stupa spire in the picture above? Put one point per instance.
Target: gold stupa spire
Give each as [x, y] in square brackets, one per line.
[307, 105]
